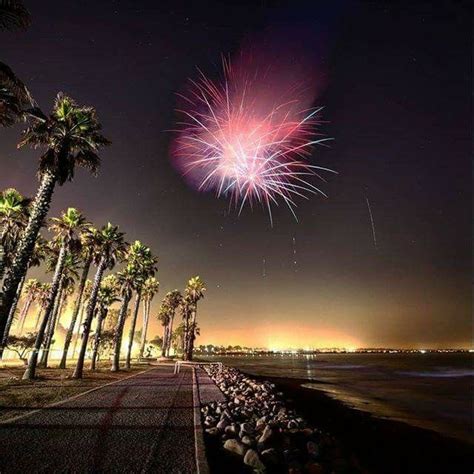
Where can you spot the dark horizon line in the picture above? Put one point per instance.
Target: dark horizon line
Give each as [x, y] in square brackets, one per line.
[336, 349]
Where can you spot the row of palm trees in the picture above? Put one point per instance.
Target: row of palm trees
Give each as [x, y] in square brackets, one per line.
[74, 248]
[187, 306]
[75, 245]
[70, 136]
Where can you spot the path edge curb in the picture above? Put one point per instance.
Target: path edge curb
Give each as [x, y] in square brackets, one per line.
[202, 466]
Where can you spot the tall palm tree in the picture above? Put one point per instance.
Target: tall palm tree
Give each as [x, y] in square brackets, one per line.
[43, 296]
[68, 287]
[65, 229]
[110, 248]
[177, 338]
[174, 299]
[89, 239]
[150, 289]
[13, 218]
[126, 279]
[71, 136]
[68, 279]
[186, 311]
[145, 264]
[32, 290]
[108, 295]
[85, 299]
[164, 315]
[194, 292]
[39, 254]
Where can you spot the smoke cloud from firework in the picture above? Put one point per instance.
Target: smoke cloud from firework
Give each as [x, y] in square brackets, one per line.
[250, 135]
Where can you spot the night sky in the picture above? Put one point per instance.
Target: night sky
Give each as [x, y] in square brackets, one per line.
[397, 101]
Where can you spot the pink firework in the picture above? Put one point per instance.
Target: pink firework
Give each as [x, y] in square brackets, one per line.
[244, 139]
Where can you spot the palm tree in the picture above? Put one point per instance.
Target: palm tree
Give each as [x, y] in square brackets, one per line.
[68, 287]
[194, 292]
[145, 264]
[68, 279]
[66, 229]
[174, 300]
[72, 136]
[13, 15]
[164, 316]
[108, 295]
[186, 314]
[43, 296]
[89, 240]
[110, 248]
[126, 279]
[32, 290]
[85, 299]
[39, 254]
[150, 289]
[13, 218]
[177, 338]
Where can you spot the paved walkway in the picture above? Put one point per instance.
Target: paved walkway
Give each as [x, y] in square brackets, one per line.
[144, 423]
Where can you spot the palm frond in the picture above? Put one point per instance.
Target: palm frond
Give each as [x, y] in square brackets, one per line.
[14, 15]
[89, 160]
[15, 98]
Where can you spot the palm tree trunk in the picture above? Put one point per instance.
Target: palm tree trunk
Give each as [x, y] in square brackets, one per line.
[165, 341]
[146, 316]
[17, 271]
[62, 304]
[191, 337]
[132, 329]
[2, 261]
[118, 333]
[170, 335]
[78, 331]
[51, 328]
[11, 317]
[88, 319]
[75, 312]
[31, 369]
[98, 332]
[24, 312]
[2, 265]
[38, 318]
[185, 335]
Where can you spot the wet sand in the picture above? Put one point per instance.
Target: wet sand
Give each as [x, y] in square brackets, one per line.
[377, 445]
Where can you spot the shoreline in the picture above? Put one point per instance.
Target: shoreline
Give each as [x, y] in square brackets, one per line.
[378, 444]
[365, 443]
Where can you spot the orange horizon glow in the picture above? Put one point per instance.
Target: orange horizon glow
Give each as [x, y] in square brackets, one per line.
[277, 335]
[281, 336]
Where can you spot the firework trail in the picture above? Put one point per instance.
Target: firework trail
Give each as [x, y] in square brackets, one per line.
[372, 222]
[295, 263]
[248, 142]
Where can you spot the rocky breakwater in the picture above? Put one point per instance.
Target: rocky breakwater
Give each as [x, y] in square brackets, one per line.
[255, 424]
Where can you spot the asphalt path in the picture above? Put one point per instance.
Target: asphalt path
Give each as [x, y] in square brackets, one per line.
[144, 423]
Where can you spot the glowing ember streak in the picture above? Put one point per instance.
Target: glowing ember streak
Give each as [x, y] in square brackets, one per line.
[236, 141]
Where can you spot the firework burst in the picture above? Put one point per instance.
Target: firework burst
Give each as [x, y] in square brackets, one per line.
[242, 141]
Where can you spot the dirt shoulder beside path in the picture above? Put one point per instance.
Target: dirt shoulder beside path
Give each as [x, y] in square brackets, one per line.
[53, 385]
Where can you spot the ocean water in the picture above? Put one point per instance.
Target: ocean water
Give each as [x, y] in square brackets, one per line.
[433, 391]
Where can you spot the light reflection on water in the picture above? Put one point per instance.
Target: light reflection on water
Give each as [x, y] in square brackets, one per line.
[428, 390]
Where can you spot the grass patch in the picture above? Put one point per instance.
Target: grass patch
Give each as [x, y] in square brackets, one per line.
[52, 385]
